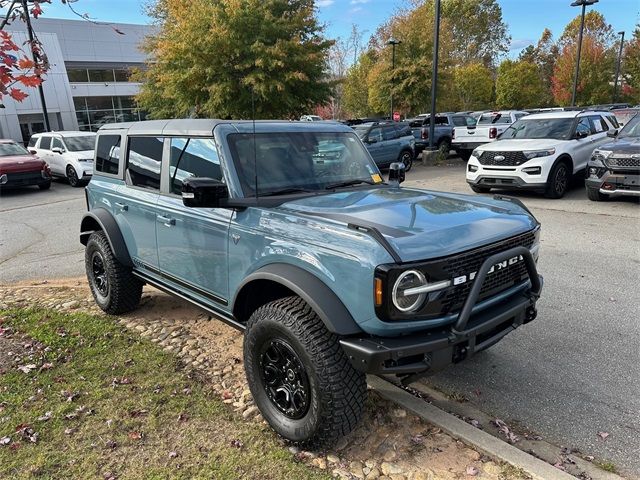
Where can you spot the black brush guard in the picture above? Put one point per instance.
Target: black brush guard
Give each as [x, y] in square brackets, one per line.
[415, 355]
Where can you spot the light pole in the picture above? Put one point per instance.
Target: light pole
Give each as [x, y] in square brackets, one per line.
[393, 42]
[583, 4]
[615, 81]
[434, 76]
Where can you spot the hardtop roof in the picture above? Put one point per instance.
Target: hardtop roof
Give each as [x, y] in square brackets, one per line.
[563, 114]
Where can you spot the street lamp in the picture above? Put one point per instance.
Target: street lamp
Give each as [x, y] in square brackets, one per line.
[393, 42]
[615, 82]
[434, 77]
[583, 4]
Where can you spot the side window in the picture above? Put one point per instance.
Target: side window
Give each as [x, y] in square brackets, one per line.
[192, 157]
[389, 133]
[584, 126]
[32, 142]
[108, 154]
[613, 120]
[56, 142]
[45, 143]
[459, 121]
[520, 115]
[144, 157]
[597, 124]
[375, 133]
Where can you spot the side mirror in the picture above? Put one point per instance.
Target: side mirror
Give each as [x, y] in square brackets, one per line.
[397, 172]
[203, 192]
[612, 133]
[57, 150]
[580, 135]
[372, 140]
[33, 151]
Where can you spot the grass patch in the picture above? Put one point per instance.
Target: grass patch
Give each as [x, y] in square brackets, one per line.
[122, 408]
[606, 466]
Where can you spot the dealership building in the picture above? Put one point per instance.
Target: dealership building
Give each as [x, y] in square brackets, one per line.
[88, 83]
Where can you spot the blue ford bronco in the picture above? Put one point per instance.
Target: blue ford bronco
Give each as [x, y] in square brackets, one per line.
[287, 232]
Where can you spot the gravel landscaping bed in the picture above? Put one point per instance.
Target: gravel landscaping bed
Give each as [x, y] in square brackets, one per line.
[390, 443]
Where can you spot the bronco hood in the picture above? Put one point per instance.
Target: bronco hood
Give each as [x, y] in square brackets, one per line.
[421, 224]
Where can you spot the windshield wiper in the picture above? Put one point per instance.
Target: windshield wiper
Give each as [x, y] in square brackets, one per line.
[285, 191]
[348, 184]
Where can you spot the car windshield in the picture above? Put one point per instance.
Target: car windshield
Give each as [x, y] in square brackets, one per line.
[631, 129]
[491, 118]
[557, 128]
[11, 149]
[80, 143]
[290, 162]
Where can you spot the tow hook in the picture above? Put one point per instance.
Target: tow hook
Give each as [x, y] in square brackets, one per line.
[459, 353]
[531, 314]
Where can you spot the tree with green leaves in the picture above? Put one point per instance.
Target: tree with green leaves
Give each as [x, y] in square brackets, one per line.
[519, 85]
[356, 88]
[472, 87]
[223, 58]
[630, 79]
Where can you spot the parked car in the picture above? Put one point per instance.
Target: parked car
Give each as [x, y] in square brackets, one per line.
[388, 142]
[444, 125]
[19, 168]
[539, 152]
[622, 116]
[614, 167]
[310, 118]
[330, 272]
[487, 129]
[69, 154]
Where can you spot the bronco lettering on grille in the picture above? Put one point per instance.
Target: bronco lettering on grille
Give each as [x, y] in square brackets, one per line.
[497, 267]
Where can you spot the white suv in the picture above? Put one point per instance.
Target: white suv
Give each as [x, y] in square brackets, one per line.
[69, 154]
[539, 152]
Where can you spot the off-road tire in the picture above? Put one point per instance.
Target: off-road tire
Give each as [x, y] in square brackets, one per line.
[477, 189]
[558, 181]
[337, 392]
[45, 186]
[406, 158]
[123, 289]
[595, 195]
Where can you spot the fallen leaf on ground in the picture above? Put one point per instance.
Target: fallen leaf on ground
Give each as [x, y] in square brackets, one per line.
[603, 435]
[5, 440]
[559, 465]
[46, 366]
[237, 443]
[135, 435]
[173, 454]
[473, 471]
[69, 431]
[45, 417]
[506, 431]
[27, 368]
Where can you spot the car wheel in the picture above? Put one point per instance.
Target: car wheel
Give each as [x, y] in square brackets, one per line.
[114, 287]
[464, 155]
[300, 379]
[45, 186]
[595, 195]
[444, 146]
[406, 157]
[558, 181]
[72, 177]
[477, 189]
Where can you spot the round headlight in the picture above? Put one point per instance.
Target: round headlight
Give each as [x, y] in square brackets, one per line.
[407, 280]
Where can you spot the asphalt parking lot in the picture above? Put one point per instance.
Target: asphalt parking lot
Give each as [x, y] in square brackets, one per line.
[572, 373]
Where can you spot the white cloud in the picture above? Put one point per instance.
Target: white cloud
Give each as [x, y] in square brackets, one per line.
[519, 43]
[356, 2]
[324, 3]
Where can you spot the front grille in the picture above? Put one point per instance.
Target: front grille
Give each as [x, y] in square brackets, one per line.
[23, 178]
[495, 282]
[505, 159]
[623, 162]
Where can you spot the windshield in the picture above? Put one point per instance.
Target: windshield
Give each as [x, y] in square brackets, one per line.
[288, 162]
[557, 128]
[11, 149]
[79, 144]
[361, 131]
[631, 129]
[497, 118]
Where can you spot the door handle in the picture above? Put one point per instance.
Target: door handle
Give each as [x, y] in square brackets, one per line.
[168, 222]
[122, 206]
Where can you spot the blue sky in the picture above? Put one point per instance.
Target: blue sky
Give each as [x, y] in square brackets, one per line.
[526, 18]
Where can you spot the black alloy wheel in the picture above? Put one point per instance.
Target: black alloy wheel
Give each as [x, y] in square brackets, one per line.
[72, 176]
[406, 158]
[558, 182]
[99, 274]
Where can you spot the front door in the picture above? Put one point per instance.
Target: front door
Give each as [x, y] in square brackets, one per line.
[584, 146]
[192, 242]
[57, 163]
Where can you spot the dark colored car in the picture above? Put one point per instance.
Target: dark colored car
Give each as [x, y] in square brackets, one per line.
[19, 168]
[614, 168]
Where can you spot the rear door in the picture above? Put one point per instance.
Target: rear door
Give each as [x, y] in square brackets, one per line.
[57, 162]
[583, 146]
[391, 144]
[193, 242]
[374, 145]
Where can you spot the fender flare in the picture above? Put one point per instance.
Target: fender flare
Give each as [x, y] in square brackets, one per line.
[564, 157]
[101, 219]
[312, 290]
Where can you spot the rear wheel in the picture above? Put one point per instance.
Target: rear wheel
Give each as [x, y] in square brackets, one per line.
[464, 154]
[478, 189]
[444, 145]
[114, 287]
[406, 157]
[595, 195]
[301, 380]
[558, 181]
[45, 186]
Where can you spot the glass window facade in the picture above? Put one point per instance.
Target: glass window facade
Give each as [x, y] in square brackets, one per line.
[98, 75]
[93, 112]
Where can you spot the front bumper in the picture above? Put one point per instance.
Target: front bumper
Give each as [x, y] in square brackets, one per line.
[510, 177]
[24, 179]
[458, 146]
[433, 350]
[619, 183]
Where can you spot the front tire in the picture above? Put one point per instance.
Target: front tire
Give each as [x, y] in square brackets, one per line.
[300, 379]
[594, 195]
[406, 157]
[72, 177]
[45, 186]
[114, 287]
[558, 181]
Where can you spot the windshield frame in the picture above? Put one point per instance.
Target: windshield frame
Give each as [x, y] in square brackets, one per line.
[367, 176]
[513, 128]
[74, 139]
[21, 150]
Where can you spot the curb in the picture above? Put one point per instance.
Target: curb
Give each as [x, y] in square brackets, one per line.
[483, 441]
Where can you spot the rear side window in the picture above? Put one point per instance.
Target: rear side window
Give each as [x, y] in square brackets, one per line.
[32, 141]
[144, 158]
[613, 120]
[389, 133]
[45, 143]
[598, 125]
[108, 154]
[192, 157]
